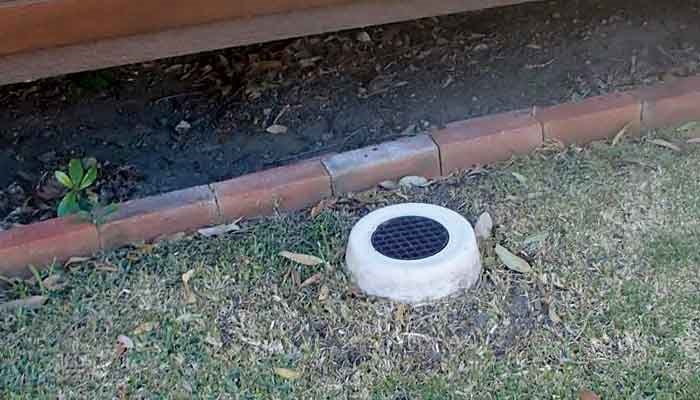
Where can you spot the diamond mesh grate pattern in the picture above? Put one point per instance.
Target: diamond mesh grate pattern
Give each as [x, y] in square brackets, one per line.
[410, 238]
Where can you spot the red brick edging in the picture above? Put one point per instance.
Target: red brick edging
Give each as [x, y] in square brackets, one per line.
[459, 145]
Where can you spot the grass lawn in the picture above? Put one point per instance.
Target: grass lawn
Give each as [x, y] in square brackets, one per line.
[612, 304]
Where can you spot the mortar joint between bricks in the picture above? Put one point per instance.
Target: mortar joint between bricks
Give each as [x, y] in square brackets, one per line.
[535, 115]
[439, 153]
[331, 181]
[219, 214]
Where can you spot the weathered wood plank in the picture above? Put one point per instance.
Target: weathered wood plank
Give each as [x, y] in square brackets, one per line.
[27, 66]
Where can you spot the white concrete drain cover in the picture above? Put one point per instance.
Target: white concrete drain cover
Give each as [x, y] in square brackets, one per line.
[413, 252]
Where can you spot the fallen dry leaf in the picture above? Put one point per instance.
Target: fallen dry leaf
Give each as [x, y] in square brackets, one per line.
[303, 259]
[54, 283]
[520, 178]
[105, 267]
[171, 237]
[277, 129]
[324, 293]
[587, 395]
[321, 206]
[401, 314]
[143, 328]
[125, 341]
[483, 226]
[189, 295]
[621, 134]
[666, 144]
[27, 303]
[124, 344]
[693, 141]
[363, 37]
[188, 317]
[388, 185]
[413, 181]
[267, 65]
[312, 280]
[287, 373]
[553, 279]
[410, 130]
[553, 314]
[219, 230]
[512, 261]
[535, 239]
[309, 62]
[183, 127]
[75, 260]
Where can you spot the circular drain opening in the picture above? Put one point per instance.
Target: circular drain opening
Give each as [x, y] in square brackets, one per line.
[410, 238]
[413, 252]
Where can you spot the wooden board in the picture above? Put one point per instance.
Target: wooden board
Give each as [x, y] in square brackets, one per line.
[52, 61]
[37, 24]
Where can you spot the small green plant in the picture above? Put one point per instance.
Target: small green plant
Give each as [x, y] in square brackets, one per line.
[79, 200]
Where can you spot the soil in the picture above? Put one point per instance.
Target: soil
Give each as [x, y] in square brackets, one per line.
[191, 120]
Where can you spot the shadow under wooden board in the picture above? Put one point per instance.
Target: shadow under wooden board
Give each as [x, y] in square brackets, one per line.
[42, 38]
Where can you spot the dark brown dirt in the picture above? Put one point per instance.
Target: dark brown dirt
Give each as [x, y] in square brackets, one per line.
[332, 92]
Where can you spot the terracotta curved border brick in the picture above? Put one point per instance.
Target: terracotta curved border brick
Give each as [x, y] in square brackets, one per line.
[459, 145]
[286, 188]
[44, 243]
[670, 104]
[484, 140]
[148, 218]
[363, 168]
[594, 118]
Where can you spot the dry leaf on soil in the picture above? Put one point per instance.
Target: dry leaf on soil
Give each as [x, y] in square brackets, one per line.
[484, 226]
[183, 127]
[303, 259]
[189, 295]
[277, 129]
[512, 261]
[666, 144]
[693, 141]
[287, 373]
[27, 303]
[364, 37]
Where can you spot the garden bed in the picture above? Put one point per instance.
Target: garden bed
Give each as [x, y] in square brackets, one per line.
[331, 93]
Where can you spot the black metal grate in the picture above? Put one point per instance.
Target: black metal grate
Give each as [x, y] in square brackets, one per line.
[410, 238]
